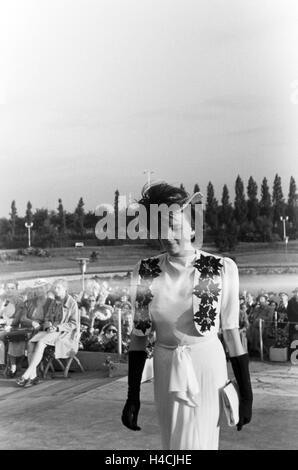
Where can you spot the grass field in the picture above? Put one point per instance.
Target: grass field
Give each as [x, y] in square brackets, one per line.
[261, 259]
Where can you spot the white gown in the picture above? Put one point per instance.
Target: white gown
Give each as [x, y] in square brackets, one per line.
[189, 369]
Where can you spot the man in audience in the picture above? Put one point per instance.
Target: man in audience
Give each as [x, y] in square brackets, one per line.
[282, 315]
[261, 311]
[292, 312]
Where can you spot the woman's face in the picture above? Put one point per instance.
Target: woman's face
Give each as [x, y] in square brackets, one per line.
[284, 298]
[11, 290]
[110, 332]
[92, 301]
[60, 291]
[178, 233]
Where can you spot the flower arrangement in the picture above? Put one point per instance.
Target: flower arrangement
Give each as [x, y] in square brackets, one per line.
[281, 338]
[115, 367]
[109, 363]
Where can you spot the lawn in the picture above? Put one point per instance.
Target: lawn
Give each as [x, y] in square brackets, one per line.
[117, 258]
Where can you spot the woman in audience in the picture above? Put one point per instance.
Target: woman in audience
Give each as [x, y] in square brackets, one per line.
[61, 329]
[10, 313]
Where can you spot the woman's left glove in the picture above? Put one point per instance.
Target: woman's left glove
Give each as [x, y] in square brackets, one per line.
[242, 376]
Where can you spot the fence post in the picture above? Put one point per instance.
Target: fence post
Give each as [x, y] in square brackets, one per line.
[261, 338]
[119, 333]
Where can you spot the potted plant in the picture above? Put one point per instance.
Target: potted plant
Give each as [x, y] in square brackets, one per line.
[116, 368]
[279, 351]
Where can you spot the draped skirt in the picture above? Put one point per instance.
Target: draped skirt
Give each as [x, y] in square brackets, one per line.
[188, 381]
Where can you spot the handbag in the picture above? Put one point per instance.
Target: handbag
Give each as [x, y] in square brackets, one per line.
[19, 334]
[230, 401]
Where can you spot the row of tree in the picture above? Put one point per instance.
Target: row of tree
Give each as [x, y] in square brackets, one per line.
[253, 216]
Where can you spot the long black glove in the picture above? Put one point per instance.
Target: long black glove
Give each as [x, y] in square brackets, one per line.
[136, 363]
[241, 372]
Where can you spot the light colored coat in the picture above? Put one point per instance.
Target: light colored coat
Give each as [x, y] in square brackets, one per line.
[66, 341]
[67, 344]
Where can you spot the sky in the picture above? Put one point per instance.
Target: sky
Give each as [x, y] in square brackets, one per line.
[94, 92]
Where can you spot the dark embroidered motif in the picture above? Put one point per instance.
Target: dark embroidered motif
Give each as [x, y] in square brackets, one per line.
[207, 291]
[143, 325]
[149, 270]
[208, 266]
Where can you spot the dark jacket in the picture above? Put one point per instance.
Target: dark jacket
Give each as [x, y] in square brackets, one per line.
[292, 310]
[29, 313]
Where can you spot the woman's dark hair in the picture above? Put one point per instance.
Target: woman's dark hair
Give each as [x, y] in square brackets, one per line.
[164, 193]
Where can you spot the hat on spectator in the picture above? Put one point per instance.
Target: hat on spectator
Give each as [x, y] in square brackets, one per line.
[40, 283]
[261, 295]
[282, 293]
[107, 326]
[295, 290]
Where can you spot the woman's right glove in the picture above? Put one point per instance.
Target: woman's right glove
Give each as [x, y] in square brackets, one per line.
[136, 363]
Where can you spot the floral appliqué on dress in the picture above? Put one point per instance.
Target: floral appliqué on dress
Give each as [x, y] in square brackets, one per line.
[149, 270]
[207, 291]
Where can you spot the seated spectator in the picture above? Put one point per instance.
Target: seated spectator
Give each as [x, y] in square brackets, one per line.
[34, 313]
[105, 341]
[113, 296]
[61, 329]
[85, 332]
[10, 313]
[92, 288]
[108, 338]
[101, 313]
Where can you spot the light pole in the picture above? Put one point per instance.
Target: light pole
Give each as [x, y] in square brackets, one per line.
[29, 226]
[284, 219]
[285, 238]
[149, 173]
[83, 266]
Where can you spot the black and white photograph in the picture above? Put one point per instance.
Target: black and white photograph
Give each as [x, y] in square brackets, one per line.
[149, 227]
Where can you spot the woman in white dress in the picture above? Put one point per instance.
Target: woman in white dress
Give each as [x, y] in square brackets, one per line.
[185, 295]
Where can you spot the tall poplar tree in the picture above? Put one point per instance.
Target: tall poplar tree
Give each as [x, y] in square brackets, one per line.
[240, 206]
[252, 200]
